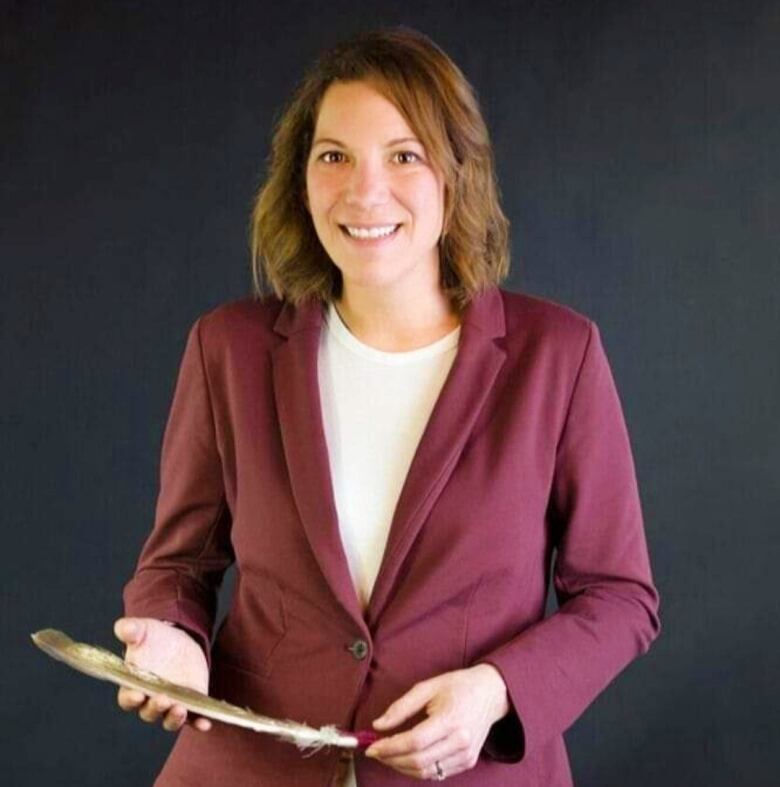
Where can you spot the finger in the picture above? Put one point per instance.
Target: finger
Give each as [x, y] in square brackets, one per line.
[131, 631]
[147, 712]
[129, 699]
[407, 705]
[451, 765]
[421, 763]
[175, 718]
[163, 704]
[154, 707]
[424, 734]
[202, 724]
[427, 771]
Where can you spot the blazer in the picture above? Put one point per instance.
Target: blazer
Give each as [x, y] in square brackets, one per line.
[525, 453]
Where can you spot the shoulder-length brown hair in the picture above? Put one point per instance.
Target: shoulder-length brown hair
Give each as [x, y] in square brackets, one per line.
[441, 107]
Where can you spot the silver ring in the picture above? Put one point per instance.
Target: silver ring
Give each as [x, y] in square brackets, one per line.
[439, 772]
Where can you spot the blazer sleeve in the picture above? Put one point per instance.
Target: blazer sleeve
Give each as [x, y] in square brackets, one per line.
[183, 561]
[607, 603]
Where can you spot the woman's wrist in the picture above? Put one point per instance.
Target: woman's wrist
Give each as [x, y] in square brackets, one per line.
[501, 693]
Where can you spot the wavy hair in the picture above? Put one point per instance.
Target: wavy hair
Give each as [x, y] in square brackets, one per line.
[441, 107]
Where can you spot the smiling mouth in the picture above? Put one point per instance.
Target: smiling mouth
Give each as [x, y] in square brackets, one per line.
[382, 236]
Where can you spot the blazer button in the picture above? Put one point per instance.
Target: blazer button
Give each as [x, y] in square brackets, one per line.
[359, 648]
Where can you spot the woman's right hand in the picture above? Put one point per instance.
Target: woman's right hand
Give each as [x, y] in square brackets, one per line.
[170, 653]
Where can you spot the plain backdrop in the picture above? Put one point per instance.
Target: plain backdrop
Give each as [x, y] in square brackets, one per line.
[637, 153]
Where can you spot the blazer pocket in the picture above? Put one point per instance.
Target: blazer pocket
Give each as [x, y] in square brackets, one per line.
[254, 627]
[492, 616]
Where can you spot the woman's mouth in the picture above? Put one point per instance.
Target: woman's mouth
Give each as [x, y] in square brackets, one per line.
[376, 236]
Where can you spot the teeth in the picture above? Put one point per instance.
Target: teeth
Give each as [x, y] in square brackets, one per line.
[374, 232]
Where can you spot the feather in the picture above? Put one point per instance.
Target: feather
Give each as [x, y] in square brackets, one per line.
[105, 665]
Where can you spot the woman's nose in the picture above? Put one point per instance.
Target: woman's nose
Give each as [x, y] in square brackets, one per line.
[367, 184]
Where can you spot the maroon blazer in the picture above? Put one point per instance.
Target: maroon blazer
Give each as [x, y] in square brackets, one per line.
[525, 450]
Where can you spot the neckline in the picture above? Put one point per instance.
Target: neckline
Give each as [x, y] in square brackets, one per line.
[348, 339]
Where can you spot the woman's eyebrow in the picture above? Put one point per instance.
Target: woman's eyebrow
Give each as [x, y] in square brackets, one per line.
[390, 143]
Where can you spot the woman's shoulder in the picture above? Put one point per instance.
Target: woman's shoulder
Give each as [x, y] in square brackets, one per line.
[533, 316]
[241, 314]
[246, 318]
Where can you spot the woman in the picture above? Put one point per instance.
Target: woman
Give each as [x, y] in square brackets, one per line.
[389, 446]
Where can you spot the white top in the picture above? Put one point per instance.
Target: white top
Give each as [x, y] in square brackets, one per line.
[375, 405]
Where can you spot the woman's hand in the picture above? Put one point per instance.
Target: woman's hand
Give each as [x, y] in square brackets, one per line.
[171, 653]
[461, 706]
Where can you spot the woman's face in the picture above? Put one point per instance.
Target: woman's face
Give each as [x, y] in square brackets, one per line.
[359, 173]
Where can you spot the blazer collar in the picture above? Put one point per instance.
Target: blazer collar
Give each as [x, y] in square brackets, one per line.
[485, 312]
[296, 389]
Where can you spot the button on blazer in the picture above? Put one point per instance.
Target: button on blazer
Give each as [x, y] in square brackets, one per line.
[524, 472]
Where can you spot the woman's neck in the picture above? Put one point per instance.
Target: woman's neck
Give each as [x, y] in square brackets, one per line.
[394, 326]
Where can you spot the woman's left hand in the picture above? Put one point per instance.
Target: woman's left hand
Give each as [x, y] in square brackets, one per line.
[461, 705]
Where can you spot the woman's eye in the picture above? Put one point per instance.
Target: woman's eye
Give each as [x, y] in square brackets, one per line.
[330, 153]
[408, 153]
[338, 153]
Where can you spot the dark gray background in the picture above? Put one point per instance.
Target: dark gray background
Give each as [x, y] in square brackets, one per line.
[637, 152]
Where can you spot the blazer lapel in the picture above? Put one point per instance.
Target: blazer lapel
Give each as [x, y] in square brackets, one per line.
[452, 419]
[296, 387]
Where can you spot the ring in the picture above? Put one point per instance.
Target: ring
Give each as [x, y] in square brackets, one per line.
[439, 772]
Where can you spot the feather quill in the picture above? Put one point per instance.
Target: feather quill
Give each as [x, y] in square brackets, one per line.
[105, 665]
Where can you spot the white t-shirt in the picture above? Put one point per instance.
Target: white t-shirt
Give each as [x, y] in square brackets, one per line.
[375, 406]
